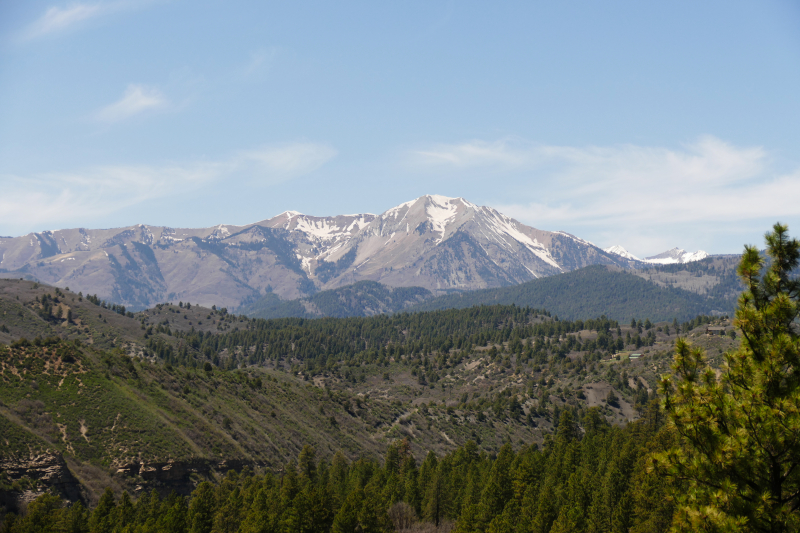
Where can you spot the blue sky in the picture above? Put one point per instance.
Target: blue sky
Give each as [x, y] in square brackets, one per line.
[645, 124]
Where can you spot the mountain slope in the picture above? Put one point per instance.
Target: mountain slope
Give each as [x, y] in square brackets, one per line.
[660, 291]
[676, 255]
[438, 243]
[364, 298]
[592, 291]
[670, 257]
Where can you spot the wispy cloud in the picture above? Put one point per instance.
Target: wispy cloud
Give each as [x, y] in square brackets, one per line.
[67, 199]
[506, 153]
[58, 19]
[285, 161]
[260, 60]
[135, 100]
[636, 194]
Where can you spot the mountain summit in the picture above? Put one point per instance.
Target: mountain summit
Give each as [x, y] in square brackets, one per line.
[675, 255]
[622, 252]
[442, 244]
[433, 241]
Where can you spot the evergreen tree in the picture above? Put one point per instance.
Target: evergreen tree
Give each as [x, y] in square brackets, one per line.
[739, 458]
[201, 510]
[102, 520]
[41, 515]
[125, 514]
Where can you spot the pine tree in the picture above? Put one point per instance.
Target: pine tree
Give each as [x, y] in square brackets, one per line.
[739, 461]
[102, 519]
[201, 509]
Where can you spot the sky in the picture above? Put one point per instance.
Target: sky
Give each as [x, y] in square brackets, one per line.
[644, 124]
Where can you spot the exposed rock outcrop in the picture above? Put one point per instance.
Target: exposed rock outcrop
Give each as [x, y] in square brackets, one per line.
[37, 474]
[178, 476]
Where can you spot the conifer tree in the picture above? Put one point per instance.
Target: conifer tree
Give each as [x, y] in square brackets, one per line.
[102, 520]
[201, 509]
[738, 464]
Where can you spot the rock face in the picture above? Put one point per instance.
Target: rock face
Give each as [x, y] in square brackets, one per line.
[178, 476]
[439, 243]
[47, 471]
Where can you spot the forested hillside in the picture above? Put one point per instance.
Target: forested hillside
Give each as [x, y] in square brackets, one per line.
[145, 399]
[587, 477]
[365, 298]
[595, 290]
[661, 292]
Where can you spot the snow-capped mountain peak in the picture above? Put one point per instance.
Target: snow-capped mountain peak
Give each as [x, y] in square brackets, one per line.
[622, 252]
[434, 241]
[676, 255]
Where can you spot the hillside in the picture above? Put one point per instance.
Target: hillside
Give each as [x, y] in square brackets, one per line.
[165, 397]
[596, 290]
[682, 291]
[702, 287]
[365, 298]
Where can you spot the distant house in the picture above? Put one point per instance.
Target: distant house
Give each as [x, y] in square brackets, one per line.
[715, 330]
[635, 356]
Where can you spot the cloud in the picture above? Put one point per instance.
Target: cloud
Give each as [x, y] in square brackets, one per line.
[135, 100]
[635, 193]
[508, 154]
[59, 19]
[67, 199]
[286, 161]
[260, 60]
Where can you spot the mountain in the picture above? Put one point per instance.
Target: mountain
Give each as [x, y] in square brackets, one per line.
[622, 252]
[670, 257]
[592, 291]
[440, 244]
[676, 255]
[680, 290]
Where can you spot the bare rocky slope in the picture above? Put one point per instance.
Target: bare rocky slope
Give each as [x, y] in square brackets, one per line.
[438, 243]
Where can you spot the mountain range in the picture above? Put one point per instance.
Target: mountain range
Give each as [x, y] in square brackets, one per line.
[670, 257]
[440, 244]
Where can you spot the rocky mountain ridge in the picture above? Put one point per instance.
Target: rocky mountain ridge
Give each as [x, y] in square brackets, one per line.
[670, 257]
[441, 244]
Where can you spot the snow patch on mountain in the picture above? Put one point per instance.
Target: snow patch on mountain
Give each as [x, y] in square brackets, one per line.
[670, 257]
[676, 255]
[440, 210]
[622, 252]
[504, 226]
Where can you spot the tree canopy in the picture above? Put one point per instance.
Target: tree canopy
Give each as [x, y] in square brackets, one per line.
[736, 467]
